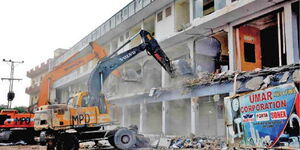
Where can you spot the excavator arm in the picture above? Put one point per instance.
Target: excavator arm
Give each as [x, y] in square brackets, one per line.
[66, 67]
[112, 62]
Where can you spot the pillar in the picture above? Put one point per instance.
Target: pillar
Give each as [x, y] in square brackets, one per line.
[124, 116]
[143, 111]
[165, 107]
[194, 115]
[231, 48]
[290, 23]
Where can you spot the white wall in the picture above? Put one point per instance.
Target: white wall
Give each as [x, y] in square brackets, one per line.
[166, 27]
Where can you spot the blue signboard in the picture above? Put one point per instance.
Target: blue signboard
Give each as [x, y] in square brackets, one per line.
[265, 116]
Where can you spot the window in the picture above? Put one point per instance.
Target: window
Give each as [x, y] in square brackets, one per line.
[208, 7]
[84, 102]
[72, 101]
[249, 53]
[197, 9]
[168, 11]
[159, 16]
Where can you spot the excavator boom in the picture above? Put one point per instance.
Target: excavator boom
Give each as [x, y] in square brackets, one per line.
[88, 112]
[112, 62]
[71, 64]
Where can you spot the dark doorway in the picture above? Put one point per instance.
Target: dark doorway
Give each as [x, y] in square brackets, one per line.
[269, 46]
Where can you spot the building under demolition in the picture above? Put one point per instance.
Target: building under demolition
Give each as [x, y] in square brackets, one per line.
[217, 38]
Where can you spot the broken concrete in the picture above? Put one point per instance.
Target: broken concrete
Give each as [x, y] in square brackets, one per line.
[192, 143]
[164, 142]
[285, 77]
[296, 76]
[210, 78]
[254, 83]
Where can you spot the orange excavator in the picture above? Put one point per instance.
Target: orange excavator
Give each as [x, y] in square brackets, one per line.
[16, 126]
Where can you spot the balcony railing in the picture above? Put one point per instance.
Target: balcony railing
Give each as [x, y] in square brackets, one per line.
[129, 10]
[33, 89]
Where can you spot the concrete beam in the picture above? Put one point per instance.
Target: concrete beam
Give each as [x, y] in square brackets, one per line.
[189, 92]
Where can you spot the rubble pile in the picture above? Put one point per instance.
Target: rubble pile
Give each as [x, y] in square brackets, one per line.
[207, 143]
[211, 78]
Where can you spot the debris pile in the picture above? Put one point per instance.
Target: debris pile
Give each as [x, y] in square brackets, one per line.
[208, 143]
[211, 78]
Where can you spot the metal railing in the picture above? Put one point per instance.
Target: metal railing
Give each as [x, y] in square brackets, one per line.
[129, 10]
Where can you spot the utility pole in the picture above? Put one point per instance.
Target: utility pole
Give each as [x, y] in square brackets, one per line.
[11, 94]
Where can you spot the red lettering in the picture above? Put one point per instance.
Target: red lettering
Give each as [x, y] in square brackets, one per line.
[257, 97]
[251, 99]
[263, 96]
[269, 95]
[262, 106]
[277, 104]
[278, 115]
[283, 103]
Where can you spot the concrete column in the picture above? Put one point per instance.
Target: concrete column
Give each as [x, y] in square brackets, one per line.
[164, 104]
[124, 116]
[194, 115]
[231, 48]
[165, 107]
[191, 47]
[143, 111]
[290, 23]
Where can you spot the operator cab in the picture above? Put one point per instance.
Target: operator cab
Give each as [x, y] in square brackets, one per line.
[83, 100]
[79, 100]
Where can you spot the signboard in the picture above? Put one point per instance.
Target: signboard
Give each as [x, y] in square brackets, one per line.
[265, 118]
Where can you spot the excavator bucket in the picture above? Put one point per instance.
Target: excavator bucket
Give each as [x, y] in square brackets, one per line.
[154, 49]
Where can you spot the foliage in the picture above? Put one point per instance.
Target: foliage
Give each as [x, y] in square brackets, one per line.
[20, 109]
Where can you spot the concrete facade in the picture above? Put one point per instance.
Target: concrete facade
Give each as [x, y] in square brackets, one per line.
[36, 74]
[196, 31]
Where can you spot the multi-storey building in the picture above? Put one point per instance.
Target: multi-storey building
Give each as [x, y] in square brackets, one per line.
[213, 36]
[36, 74]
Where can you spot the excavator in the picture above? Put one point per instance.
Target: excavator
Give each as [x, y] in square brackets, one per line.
[15, 126]
[86, 117]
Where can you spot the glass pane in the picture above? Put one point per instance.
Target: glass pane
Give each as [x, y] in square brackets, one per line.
[168, 11]
[99, 31]
[197, 8]
[159, 16]
[125, 13]
[131, 8]
[118, 18]
[84, 101]
[102, 29]
[113, 22]
[138, 5]
[219, 4]
[146, 2]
